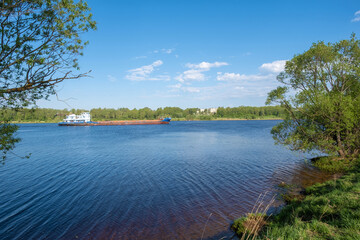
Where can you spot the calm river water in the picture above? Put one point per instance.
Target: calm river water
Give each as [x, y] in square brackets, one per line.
[140, 182]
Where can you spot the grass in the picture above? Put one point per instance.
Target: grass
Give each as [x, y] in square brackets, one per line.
[330, 210]
[248, 227]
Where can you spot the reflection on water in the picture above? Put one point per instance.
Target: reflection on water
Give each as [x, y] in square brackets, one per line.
[141, 182]
[303, 174]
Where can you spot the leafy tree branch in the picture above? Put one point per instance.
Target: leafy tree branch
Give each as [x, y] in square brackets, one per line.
[321, 95]
[39, 47]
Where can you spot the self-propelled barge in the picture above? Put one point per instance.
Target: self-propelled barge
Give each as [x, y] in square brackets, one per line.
[84, 119]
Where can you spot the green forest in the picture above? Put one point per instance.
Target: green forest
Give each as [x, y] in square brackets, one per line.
[176, 113]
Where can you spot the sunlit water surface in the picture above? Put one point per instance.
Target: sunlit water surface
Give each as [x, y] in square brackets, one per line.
[186, 180]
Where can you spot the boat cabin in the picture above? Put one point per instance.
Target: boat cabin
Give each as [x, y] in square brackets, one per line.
[82, 118]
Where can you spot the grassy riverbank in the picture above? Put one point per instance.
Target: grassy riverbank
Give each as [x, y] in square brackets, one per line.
[173, 119]
[225, 119]
[330, 210]
[46, 115]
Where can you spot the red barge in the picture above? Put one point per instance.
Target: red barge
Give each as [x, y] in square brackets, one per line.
[85, 120]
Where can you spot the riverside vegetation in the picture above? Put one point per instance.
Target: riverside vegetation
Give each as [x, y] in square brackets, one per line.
[97, 114]
[323, 115]
[330, 210]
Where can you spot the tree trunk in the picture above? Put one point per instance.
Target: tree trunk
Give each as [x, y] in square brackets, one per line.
[340, 145]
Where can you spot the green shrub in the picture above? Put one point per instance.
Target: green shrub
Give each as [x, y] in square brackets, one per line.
[334, 164]
[249, 225]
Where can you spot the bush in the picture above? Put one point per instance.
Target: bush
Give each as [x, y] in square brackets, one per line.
[249, 225]
[334, 164]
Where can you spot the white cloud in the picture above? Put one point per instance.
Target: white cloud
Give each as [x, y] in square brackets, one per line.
[194, 75]
[230, 90]
[143, 73]
[230, 85]
[274, 67]
[180, 78]
[206, 65]
[179, 87]
[164, 50]
[196, 71]
[357, 17]
[111, 78]
[159, 78]
[240, 77]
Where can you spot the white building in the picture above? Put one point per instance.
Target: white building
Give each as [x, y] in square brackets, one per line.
[207, 110]
[212, 110]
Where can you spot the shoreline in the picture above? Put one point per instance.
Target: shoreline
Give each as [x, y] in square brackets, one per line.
[173, 120]
[325, 210]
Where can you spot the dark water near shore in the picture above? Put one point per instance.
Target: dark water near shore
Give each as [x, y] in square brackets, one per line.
[141, 182]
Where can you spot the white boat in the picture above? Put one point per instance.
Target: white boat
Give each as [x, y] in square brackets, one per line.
[82, 118]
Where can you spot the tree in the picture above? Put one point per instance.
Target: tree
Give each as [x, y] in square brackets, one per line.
[39, 45]
[321, 94]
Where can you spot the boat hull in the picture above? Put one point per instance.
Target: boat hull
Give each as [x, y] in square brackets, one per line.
[117, 123]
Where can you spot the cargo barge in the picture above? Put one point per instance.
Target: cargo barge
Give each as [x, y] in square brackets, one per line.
[84, 119]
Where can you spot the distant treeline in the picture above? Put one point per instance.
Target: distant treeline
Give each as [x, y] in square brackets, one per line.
[55, 115]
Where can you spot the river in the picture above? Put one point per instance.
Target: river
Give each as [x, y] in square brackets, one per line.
[185, 180]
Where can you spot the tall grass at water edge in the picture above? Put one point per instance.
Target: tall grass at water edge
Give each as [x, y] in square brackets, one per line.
[330, 210]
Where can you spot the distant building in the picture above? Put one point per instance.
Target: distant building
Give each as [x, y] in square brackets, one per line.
[207, 110]
[213, 110]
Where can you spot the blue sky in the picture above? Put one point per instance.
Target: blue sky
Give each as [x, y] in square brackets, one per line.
[198, 53]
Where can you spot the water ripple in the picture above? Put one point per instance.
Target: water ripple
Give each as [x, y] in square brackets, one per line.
[140, 182]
